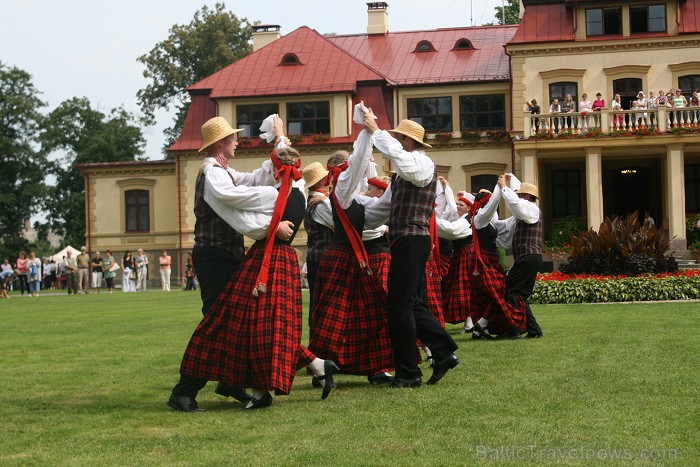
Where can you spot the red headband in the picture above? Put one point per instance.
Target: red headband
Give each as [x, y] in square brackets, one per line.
[378, 183]
[465, 201]
[334, 173]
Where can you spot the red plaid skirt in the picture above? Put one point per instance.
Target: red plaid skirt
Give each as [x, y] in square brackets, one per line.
[489, 297]
[457, 295]
[433, 283]
[349, 320]
[253, 342]
[445, 264]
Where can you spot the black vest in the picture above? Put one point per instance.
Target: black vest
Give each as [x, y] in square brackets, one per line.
[209, 228]
[318, 236]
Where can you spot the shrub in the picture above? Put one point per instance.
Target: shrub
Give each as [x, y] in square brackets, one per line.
[621, 247]
[556, 288]
[563, 229]
[691, 231]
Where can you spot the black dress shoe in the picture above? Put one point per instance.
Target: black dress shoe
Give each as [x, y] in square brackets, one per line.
[380, 378]
[329, 368]
[315, 382]
[442, 367]
[239, 394]
[533, 335]
[406, 383]
[480, 333]
[509, 334]
[466, 330]
[183, 404]
[264, 401]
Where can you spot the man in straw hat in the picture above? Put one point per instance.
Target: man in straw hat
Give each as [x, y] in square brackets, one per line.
[413, 189]
[218, 248]
[318, 221]
[521, 199]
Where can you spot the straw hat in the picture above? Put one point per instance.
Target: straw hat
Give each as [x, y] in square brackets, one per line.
[413, 130]
[529, 189]
[215, 129]
[313, 173]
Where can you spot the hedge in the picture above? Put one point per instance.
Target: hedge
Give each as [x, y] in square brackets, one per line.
[557, 288]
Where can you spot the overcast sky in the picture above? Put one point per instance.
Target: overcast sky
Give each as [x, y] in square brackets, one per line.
[76, 48]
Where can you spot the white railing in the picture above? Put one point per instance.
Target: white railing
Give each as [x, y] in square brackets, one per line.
[606, 120]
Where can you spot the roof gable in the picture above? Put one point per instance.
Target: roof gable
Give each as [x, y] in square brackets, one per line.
[323, 68]
[545, 23]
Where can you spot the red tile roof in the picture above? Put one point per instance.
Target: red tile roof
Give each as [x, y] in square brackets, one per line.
[325, 68]
[393, 54]
[689, 17]
[545, 23]
[201, 109]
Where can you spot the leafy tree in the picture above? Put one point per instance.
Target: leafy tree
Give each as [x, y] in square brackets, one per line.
[79, 134]
[512, 12]
[22, 167]
[212, 40]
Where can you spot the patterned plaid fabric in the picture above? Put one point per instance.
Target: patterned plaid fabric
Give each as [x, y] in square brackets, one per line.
[457, 295]
[318, 236]
[252, 342]
[349, 321]
[489, 298]
[433, 283]
[527, 238]
[209, 228]
[411, 208]
[379, 263]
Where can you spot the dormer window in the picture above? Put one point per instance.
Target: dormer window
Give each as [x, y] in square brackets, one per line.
[604, 21]
[290, 60]
[647, 18]
[463, 44]
[425, 46]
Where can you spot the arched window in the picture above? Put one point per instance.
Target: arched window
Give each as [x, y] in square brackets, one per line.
[566, 193]
[425, 46]
[290, 59]
[463, 44]
[692, 188]
[561, 89]
[137, 209]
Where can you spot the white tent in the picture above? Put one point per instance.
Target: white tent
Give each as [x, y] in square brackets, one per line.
[58, 256]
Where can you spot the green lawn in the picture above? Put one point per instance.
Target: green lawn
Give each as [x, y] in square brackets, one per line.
[85, 380]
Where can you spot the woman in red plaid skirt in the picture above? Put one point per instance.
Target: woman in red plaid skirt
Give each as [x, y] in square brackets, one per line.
[349, 323]
[453, 225]
[492, 313]
[251, 336]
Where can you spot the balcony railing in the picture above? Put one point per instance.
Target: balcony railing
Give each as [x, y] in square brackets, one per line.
[662, 119]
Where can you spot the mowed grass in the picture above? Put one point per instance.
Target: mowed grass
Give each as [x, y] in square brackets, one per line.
[85, 380]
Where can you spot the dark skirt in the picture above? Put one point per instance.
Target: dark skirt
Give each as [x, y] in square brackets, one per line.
[489, 297]
[253, 342]
[457, 295]
[349, 322]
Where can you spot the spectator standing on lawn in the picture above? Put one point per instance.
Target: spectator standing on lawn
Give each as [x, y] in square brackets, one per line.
[83, 260]
[34, 274]
[141, 263]
[109, 266]
[164, 261]
[97, 267]
[22, 271]
[71, 271]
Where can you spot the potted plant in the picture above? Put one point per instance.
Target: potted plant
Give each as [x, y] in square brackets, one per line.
[295, 138]
[498, 135]
[471, 135]
[442, 138]
[321, 137]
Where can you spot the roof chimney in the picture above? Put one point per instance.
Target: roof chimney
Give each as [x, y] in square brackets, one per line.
[377, 18]
[264, 34]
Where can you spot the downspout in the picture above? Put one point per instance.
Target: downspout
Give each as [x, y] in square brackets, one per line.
[179, 218]
[512, 111]
[87, 212]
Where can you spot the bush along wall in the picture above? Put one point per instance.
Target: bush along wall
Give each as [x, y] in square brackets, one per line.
[560, 288]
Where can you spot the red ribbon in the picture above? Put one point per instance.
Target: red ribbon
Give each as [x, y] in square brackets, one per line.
[378, 183]
[286, 173]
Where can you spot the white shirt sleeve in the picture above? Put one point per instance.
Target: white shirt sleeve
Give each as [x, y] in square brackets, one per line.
[323, 214]
[522, 209]
[454, 230]
[376, 209]
[449, 212]
[349, 180]
[514, 183]
[415, 167]
[264, 176]
[485, 214]
[505, 230]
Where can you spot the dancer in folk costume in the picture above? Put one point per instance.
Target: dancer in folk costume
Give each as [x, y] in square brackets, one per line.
[453, 225]
[491, 313]
[349, 322]
[251, 335]
[413, 198]
[527, 242]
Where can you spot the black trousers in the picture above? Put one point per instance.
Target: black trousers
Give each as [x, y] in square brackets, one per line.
[189, 386]
[214, 267]
[519, 283]
[408, 313]
[311, 270]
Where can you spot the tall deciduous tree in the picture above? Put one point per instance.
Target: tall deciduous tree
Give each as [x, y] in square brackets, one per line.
[213, 39]
[79, 134]
[512, 12]
[22, 167]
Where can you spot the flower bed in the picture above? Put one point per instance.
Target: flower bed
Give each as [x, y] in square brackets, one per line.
[557, 287]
